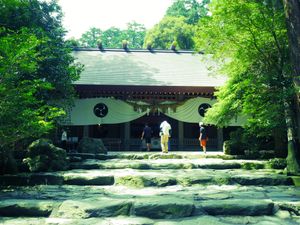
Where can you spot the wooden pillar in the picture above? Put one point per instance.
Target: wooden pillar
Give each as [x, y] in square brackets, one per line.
[86, 131]
[127, 136]
[180, 135]
[220, 139]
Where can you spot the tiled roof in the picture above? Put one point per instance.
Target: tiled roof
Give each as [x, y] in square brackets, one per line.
[146, 68]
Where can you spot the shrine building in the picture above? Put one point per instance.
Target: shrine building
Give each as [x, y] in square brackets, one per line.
[120, 90]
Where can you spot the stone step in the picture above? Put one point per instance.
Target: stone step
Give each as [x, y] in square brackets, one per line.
[236, 207]
[146, 178]
[200, 178]
[78, 204]
[26, 208]
[153, 155]
[198, 193]
[170, 155]
[157, 164]
[152, 188]
[54, 179]
[162, 207]
[31, 179]
[124, 220]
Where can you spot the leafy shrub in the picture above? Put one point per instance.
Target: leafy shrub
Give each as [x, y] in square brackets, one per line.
[252, 166]
[235, 145]
[277, 163]
[241, 141]
[44, 156]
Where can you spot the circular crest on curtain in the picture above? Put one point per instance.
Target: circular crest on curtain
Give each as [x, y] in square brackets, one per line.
[100, 110]
[203, 108]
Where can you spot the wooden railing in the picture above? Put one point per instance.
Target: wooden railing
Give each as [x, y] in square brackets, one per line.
[212, 142]
[112, 144]
[136, 144]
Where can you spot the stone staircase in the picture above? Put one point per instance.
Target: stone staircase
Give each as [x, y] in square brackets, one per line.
[152, 188]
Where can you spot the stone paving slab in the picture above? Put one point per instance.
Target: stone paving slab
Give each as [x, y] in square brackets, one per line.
[26, 207]
[91, 179]
[205, 220]
[154, 155]
[155, 207]
[209, 192]
[237, 207]
[91, 202]
[155, 164]
[171, 155]
[153, 188]
[144, 178]
[30, 179]
[93, 207]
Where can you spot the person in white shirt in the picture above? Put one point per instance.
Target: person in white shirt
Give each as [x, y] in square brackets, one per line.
[165, 129]
[64, 138]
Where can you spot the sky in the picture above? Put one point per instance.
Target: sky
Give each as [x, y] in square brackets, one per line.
[81, 15]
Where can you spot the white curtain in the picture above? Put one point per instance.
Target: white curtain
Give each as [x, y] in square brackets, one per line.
[188, 112]
[118, 112]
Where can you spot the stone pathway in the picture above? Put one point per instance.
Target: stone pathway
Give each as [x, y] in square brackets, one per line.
[152, 188]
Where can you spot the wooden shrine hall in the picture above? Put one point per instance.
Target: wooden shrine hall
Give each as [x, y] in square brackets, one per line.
[121, 89]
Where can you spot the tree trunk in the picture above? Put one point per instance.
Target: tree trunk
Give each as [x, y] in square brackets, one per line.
[293, 162]
[280, 145]
[292, 13]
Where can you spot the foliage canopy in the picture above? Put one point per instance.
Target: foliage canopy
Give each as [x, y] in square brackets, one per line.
[36, 69]
[191, 10]
[249, 38]
[113, 37]
[171, 29]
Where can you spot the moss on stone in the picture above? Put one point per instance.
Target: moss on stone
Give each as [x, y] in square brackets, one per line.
[166, 208]
[134, 181]
[141, 166]
[189, 181]
[221, 180]
[146, 156]
[277, 163]
[189, 166]
[252, 166]
[31, 208]
[296, 181]
[163, 182]
[166, 156]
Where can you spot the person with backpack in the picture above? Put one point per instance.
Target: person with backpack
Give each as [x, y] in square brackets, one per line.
[203, 137]
[147, 134]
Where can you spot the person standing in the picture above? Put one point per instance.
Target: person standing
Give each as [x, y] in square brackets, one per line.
[203, 137]
[64, 138]
[147, 134]
[165, 131]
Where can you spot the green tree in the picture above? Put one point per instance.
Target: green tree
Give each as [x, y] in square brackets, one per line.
[23, 114]
[55, 63]
[90, 38]
[292, 12]
[36, 71]
[171, 29]
[177, 26]
[192, 10]
[135, 34]
[112, 38]
[250, 39]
